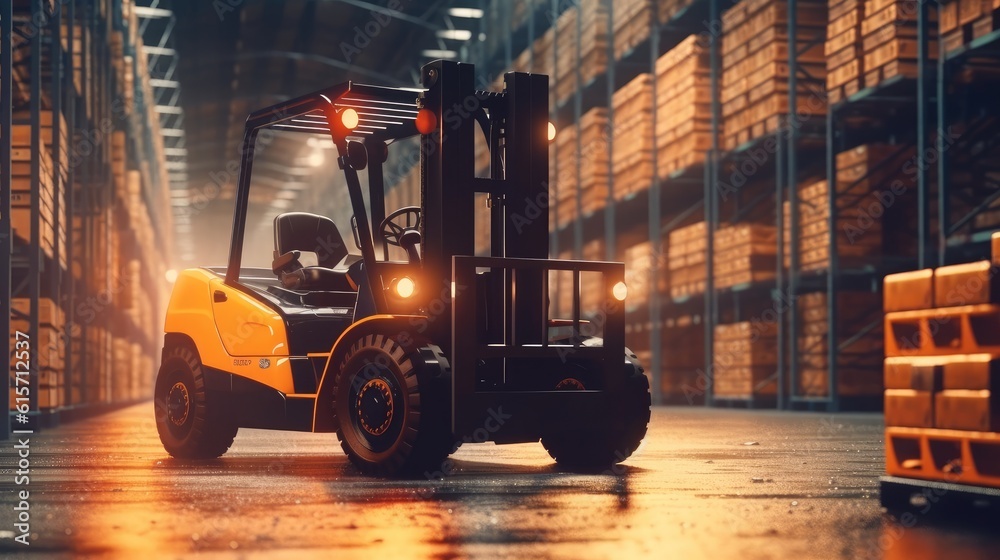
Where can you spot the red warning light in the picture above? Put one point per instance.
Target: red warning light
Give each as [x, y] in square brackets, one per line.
[426, 121]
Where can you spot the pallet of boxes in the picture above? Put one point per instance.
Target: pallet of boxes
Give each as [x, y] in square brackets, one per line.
[889, 40]
[683, 112]
[942, 378]
[632, 149]
[755, 69]
[686, 260]
[581, 47]
[962, 21]
[745, 362]
[46, 356]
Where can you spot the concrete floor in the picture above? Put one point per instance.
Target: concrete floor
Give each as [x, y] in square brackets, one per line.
[807, 487]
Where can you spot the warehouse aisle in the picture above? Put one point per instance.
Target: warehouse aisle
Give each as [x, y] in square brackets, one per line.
[706, 484]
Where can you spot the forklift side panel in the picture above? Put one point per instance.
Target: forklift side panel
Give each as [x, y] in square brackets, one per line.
[190, 312]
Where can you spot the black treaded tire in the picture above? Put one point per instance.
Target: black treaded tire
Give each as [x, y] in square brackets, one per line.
[392, 407]
[620, 435]
[189, 424]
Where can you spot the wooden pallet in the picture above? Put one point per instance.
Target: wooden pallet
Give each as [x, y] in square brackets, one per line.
[686, 260]
[968, 329]
[954, 456]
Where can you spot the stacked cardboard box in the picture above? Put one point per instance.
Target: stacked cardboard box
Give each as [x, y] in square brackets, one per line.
[942, 375]
[586, 170]
[632, 22]
[874, 205]
[889, 40]
[52, 204]
[638, 260]
[755, 67]
[961, 21]
[686, 260]
[683, 113]
[582, 46]
[844, 55]
[632, 149]
[43, 356]
[744, 253]
[745, 359]
[859, 345]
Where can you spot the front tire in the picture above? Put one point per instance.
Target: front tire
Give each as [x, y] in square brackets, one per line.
[190, 425]
[619, 436]
[392, 407]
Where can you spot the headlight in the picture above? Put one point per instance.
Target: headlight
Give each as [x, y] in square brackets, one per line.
[620, 291]
[404, 287]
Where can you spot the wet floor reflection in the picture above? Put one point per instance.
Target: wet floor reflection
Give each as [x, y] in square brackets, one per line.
[695, 490]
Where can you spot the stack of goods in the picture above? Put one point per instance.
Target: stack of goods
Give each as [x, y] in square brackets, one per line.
[639, 260]
[51, 204]
[961, 21]
[632, 22]
[683, 114]
[874, 204]
[744, 254]
[843, 49]
[858, 339]
[45, 355]
[582, 45]
[632, 149]
[745, 360]
[942, 376]
[755, 67]
[590, 166]
[889, 40]
[686, 260]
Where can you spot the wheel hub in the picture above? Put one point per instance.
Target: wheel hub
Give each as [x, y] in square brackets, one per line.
[374, 406]
[570, 384]
[178, 404]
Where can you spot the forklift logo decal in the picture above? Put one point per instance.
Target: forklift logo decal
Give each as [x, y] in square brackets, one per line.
[264, 363]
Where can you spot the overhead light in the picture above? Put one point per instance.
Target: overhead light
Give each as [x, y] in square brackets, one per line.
[465, 12]
[316, 158]
[439, 53]
[456, 34]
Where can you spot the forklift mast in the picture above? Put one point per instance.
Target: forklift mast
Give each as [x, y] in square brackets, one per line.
[515, 123]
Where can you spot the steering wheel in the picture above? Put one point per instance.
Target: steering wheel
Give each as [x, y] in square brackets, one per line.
[395, 224]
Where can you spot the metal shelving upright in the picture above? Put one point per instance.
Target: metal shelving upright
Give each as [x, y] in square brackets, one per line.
[6, 237]
[903, 101]
[952, 245]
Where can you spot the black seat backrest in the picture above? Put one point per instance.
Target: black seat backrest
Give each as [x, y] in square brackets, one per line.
[302, 231]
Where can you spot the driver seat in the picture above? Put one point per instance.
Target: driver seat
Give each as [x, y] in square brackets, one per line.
[298, 232]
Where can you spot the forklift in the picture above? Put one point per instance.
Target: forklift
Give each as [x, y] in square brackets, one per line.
[407, 359]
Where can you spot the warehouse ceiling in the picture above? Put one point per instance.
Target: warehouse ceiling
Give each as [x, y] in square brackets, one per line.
[236, 56]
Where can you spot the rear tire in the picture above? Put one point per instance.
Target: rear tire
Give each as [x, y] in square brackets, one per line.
[190, 425]
[620, 434]
[392, 407]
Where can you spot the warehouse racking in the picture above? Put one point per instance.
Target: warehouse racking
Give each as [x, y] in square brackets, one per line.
[889, 107]
[89, 239]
